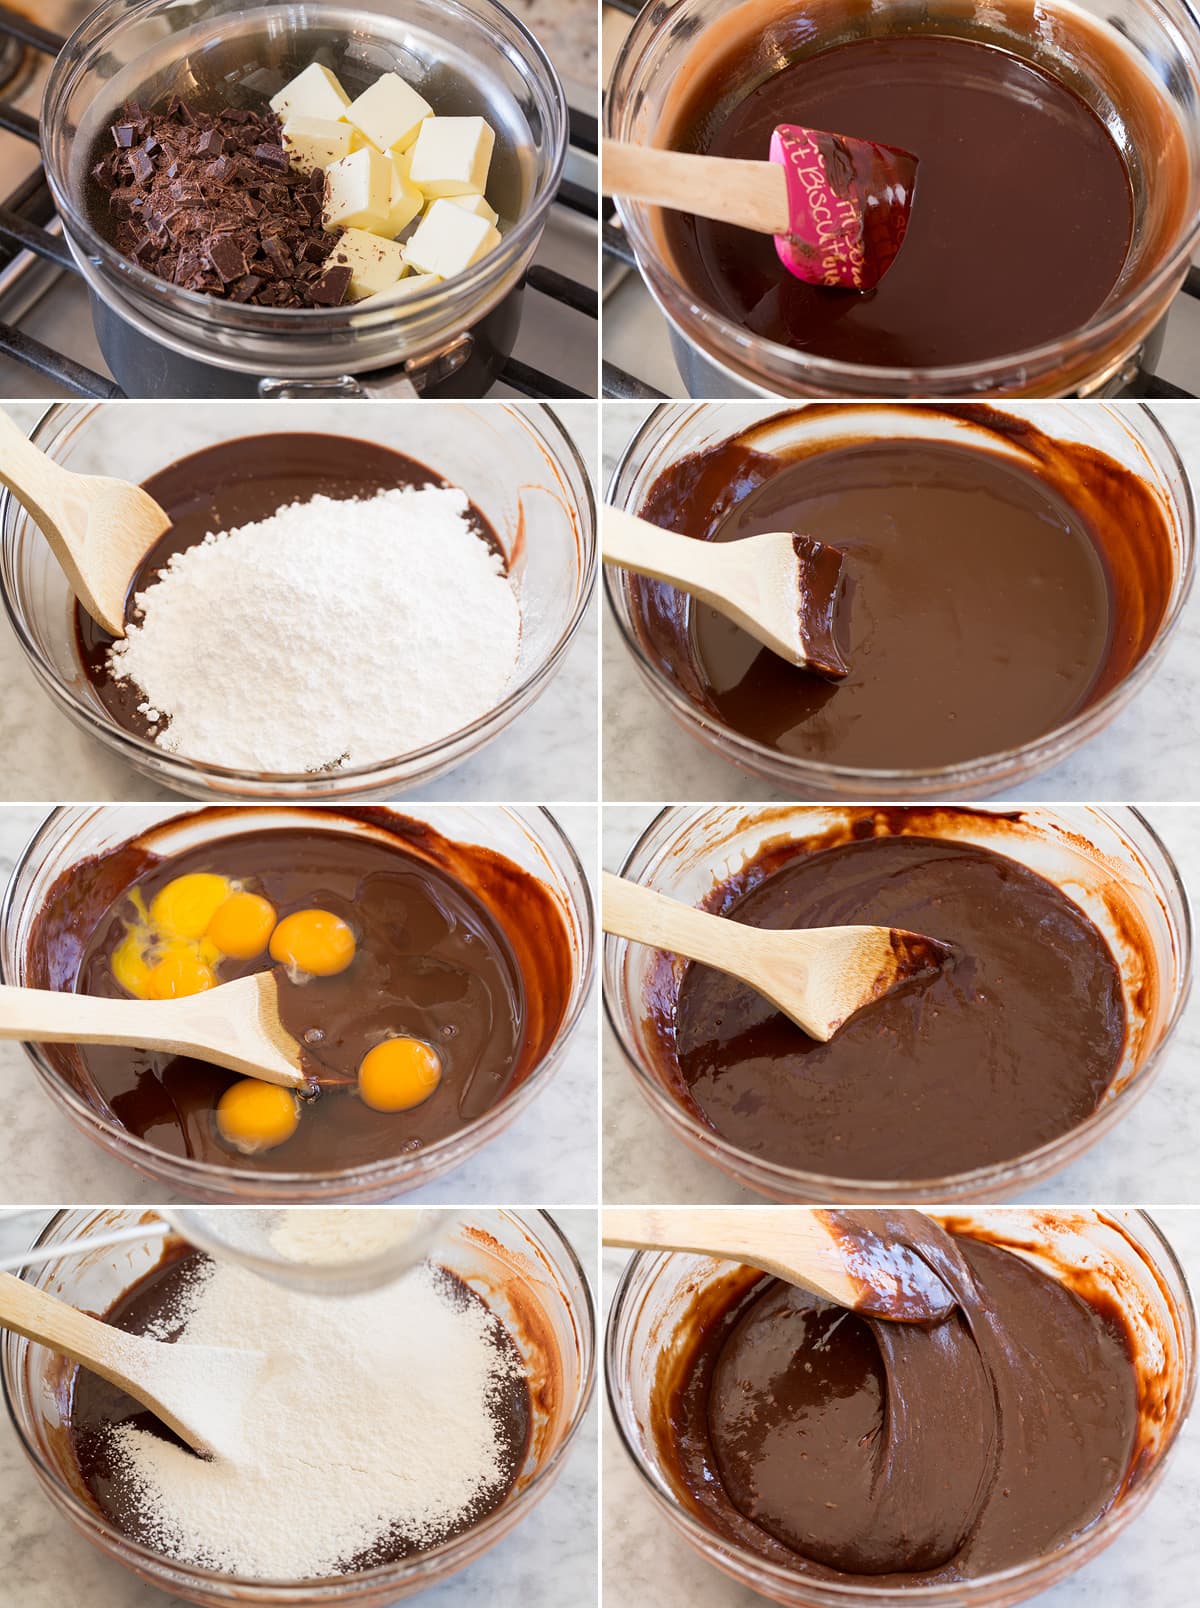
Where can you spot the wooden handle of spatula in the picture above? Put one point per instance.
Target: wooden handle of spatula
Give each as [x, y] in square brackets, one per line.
[752, 195]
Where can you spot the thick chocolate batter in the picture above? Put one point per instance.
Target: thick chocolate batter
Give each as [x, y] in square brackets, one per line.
[455, 945]
[1012, 1043]
[236, 483]
[835, 1445]
[988, 598]
[94, 1406]
[1022, 215]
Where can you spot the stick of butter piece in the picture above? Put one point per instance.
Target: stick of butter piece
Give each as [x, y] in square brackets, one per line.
[476, 204]
[374, 264]
[358, 191]
[452, 156]
[406, 202]
[313, 93]
[389, 113]
[449, 239]
[315, 142]
[410, 285]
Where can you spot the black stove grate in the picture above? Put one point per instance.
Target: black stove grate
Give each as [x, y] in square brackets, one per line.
[25, 217]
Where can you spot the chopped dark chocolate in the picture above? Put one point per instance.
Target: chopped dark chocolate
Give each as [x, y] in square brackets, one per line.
[210, 203]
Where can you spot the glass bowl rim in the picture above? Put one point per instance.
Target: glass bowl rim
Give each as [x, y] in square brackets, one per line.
[138, 750]
[212, 1174]
[943, 1591]
[991, 1175]
[1039, 751]
[422, 1562]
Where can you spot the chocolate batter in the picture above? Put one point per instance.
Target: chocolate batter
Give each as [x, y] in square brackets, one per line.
[835, 1445]
[455, 945]
[988, 598]
[95, 1406]
[1012, 1043]
[1022, 215]
[236, 483]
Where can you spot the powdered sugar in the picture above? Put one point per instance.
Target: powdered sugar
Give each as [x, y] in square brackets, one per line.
[376, 1417]
[335, 633]
[328, 1235]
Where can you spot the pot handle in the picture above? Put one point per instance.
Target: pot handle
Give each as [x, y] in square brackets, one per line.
[406, 381]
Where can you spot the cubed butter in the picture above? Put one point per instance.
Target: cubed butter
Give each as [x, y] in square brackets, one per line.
[313, 93]
[358, 191]
[476, 204]
[452, 156]
[375, 264]
[449, 239]
[315, 142]
[389, 113]
[402, 161]
[406, 202]
[410, 285]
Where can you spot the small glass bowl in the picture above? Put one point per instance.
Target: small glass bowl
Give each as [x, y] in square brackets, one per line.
[520, 1262]
[71, 834]
[517, 464]
[1129, 433]
[1110, 861]
[1124, 1251]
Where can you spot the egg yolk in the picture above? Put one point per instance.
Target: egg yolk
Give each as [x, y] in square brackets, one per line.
[313, 941]
[179, 972]
[398, 1074]
[253, 1115]
[184, 908]
[241, 925]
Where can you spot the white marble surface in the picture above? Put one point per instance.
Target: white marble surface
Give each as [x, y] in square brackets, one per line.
[548, 753]
[548, 1561]
[1149, 1157]
[549, 1155]
[1153, 1563]
[1144, 754]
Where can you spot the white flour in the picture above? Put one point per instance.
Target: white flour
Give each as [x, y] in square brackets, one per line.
[335, 633]
[375, 1417]
[327, 1235]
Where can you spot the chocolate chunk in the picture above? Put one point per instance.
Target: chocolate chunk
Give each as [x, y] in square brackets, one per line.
[140, 165]
[245, 288]
[330, 290]
[273, 156]
[210, 143]
[123, 135]
[227, 258]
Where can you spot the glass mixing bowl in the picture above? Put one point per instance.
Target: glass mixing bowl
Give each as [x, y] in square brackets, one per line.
[1109, 861]
[721, 359]
[471, 57]
[520, 1262]
[1130, 1261]
[1132, 435]
[518, 465]
[72, 834]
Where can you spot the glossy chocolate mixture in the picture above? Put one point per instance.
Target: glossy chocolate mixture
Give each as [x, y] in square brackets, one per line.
[1022, 214]
[455, 945]
[836, 1445]
[95, 1407]
[1009, 1045]
[988, 598]
[236, 483]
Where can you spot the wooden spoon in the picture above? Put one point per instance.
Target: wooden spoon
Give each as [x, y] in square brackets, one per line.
[819, 976]
[236, 1025]
[840, 1256]
[99, 529]
[782, 587]
[200, 1392]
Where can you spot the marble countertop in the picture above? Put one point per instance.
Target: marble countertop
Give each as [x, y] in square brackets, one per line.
[1139, 756]
[548, 1561]
[1149, 1157]
[548, 1155]
[1153, 1562]
[548, 753]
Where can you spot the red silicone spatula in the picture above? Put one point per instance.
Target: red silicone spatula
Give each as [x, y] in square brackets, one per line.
[838, 207]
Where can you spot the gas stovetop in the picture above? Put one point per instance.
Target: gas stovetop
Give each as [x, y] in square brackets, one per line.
[639, 363]
[47, 346]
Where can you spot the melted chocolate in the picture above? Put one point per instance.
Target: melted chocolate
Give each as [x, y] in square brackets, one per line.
[455, 945]
[1010, 1044]
[1022, 214]
[836, 1445]
[238, 482]
[96, 1407]
[988, 599]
